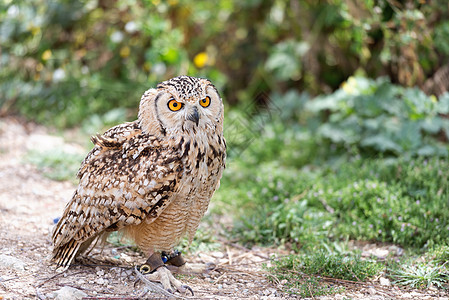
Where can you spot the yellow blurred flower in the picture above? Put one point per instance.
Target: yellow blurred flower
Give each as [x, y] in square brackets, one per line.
[39, 67]
[350, 86]
[46, 55]
[200, 59]
[34, 30]
[125, 52]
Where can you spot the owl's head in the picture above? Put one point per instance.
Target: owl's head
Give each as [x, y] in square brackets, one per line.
[179, 105]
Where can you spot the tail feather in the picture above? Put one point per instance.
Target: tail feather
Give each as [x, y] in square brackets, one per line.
[63, 256]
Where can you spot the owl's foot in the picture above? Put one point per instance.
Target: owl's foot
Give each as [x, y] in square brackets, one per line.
[155, 270]
[168, 281]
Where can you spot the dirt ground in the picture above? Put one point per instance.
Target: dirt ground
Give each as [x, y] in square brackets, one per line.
[29, 203]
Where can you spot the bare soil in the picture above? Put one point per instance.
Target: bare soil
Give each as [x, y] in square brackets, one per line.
[29, 203]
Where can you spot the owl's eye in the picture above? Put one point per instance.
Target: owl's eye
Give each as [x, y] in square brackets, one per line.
[205, 102]
[174, 105]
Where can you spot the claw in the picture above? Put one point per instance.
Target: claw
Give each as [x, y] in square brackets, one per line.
[186, 287]
[210, 266]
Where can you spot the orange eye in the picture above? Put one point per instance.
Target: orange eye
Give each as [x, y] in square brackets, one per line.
[174, 105]
[205, 102]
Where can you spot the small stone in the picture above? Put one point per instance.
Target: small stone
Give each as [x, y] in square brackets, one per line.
[126, 257]
[220, 286]
[100, 281]
[384, 281]
[406, 296]
[372, 291]
[100, 273]
[217, 254]
[12, 262]
[68, 293]
[416, 295]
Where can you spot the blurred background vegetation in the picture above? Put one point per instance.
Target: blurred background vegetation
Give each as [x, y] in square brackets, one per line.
[63, 61]
[337, 111]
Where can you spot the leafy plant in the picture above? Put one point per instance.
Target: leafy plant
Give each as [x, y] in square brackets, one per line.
[421, 276]
[375, 115]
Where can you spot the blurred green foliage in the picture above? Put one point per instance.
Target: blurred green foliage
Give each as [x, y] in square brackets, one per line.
[366, 162]
[61, 61]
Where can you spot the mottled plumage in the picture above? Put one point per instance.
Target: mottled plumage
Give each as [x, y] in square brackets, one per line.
[151, 179]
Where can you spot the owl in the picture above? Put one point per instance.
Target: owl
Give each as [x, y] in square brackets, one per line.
[151, 179]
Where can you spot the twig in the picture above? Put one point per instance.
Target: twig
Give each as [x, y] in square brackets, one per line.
[54, 276]
[229, 255]
[327, 206]
[12, 278]
[242, 248]
[218, 279]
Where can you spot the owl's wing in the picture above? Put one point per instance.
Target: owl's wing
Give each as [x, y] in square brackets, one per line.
[128, 176]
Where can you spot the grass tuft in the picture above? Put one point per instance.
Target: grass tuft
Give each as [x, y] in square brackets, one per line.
[421, 276]
[302, 274]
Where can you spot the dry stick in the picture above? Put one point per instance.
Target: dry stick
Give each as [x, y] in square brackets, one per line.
[229, 255]
[38, 293]
[242, 248]
[342, 281]
[12, 278]
[218, 279]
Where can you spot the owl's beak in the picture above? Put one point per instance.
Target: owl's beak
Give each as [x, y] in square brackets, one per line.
[194, 116]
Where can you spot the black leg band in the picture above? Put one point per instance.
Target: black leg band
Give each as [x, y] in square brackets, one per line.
[174, 259]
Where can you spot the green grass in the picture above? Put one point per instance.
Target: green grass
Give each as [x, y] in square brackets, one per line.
[302, 273]
[387, 200]
[57, 165]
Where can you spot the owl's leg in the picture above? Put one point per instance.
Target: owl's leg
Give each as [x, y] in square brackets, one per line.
[176, 263]
[155, 270]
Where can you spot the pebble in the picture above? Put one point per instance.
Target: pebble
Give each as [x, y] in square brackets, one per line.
[68, 293]
[217, 254]
[126, 257]
[406, 296]
[384, 281]
[12, 262]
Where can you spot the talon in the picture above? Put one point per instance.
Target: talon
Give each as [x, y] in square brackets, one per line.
[210, 266]
[186, 287]
[170, 291]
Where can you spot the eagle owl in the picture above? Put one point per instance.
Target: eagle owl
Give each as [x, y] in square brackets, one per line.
[151, 179]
